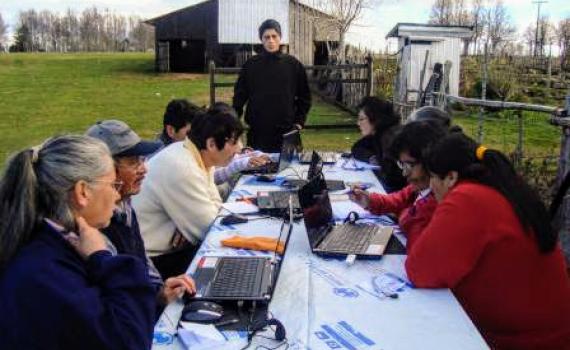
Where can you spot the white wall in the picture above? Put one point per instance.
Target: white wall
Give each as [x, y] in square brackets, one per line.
[440, 50]
[239, 20]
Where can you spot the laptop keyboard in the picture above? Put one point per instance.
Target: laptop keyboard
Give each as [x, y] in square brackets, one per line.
[349, 238]
[281, 199]
[236, 277]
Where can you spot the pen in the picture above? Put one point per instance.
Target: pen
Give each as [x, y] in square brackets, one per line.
[227, 322]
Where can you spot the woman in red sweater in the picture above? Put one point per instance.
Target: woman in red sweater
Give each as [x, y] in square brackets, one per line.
[415, 203]
[491, 242]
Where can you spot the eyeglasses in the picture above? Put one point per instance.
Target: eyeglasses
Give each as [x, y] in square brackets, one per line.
[406, 166]
[117, 184]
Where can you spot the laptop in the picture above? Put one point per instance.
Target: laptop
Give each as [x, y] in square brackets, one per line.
[268, 201]
[305, 157]
[330, 240]
[291, 144]
[315, 169]
[240, 278]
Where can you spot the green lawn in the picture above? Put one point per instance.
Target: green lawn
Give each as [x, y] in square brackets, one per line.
[46, 94]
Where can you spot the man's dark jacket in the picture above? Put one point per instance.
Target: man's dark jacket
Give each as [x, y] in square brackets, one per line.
[275, 88]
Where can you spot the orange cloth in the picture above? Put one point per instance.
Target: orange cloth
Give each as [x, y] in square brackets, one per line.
[254, 243]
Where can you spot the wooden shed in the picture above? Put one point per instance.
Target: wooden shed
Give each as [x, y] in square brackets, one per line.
[444, 43]
[226, 31]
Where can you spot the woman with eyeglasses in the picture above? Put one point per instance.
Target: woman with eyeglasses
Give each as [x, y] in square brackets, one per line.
[378, 124]
[60, 286]
[491, 242]
[415, 203]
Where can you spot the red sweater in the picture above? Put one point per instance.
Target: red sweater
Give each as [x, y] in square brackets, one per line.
[413, 216]
[475, 245]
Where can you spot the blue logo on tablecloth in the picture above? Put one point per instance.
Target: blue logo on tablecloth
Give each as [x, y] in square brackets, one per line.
[346, 292]
[162, 338]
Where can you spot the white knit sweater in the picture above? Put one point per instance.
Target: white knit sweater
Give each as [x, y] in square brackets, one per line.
[178, 194]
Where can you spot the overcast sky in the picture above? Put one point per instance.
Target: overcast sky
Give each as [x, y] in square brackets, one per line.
[373, 27]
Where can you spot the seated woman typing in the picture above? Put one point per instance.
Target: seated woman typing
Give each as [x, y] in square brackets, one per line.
[491, 242]
[60, 286]
[378, 124]
[414, 204]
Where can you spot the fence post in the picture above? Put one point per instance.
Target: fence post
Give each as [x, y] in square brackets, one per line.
[422, 76]
[564, 149]
[483, 97]
[212, 68]
[370, 73]
[564, 220]
[520, 127]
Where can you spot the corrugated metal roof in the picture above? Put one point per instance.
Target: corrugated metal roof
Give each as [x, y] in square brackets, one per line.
[404, 29]
[239, 20]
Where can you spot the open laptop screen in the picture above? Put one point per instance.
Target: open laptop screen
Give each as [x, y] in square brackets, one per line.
[316, 166]
[290, 144]
[317, 210]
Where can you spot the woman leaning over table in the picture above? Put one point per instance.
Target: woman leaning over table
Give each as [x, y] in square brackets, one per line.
[490, 241]
[59, 285]
[414, 204]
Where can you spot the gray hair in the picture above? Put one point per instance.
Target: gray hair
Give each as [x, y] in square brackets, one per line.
[431, 113]
[36, 185]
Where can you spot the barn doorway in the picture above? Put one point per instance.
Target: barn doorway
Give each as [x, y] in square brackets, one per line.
[187, 55]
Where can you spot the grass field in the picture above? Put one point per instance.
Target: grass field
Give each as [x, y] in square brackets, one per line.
[46, 94]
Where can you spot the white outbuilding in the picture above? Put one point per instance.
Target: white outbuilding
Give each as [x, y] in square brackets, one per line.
[444, 43]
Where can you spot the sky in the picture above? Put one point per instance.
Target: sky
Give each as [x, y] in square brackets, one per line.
[369, 32]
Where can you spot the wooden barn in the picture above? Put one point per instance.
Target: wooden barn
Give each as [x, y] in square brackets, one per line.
[444, 43]
[226, 31]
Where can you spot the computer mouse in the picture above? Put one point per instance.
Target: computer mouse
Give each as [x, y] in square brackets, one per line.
[202, 311]
[234, 219]
[266, 178]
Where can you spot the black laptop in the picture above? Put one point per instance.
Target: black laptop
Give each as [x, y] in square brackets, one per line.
[315, 169]
[240, 278]
[290, 147]
[328, 239]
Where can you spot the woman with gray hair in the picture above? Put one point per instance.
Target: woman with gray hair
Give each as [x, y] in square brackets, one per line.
[60, 286]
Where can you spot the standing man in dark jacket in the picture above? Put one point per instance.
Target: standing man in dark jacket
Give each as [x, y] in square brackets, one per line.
[274, 86]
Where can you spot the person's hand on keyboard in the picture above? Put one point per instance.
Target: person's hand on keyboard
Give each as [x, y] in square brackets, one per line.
[258, 161]
[360, 197]
[174, 287]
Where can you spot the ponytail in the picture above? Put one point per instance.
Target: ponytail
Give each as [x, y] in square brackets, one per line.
[18, 195]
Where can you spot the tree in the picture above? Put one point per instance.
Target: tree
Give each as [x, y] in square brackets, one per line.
[498, 25]
[22, 39]
[450, 12]
[563, 37]
[477, 17]
[343, 14]
[3, 31]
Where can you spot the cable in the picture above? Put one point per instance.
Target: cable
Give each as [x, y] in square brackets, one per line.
[293, 170]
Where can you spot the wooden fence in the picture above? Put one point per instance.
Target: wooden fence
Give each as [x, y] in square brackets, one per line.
[343, 85]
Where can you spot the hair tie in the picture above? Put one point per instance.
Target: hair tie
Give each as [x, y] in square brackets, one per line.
[480, 152]
[36, 153]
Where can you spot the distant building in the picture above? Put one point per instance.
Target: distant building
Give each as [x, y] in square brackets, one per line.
[444, 42]
[226, 31]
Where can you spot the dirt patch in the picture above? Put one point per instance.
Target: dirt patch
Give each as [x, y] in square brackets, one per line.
[184, 76]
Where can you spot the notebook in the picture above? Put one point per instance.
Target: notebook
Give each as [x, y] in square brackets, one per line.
[291, 143]
[315, 168]
[326, 238]
[240, 278]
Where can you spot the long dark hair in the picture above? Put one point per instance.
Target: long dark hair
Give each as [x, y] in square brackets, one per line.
[457, 152]
[380, 113]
